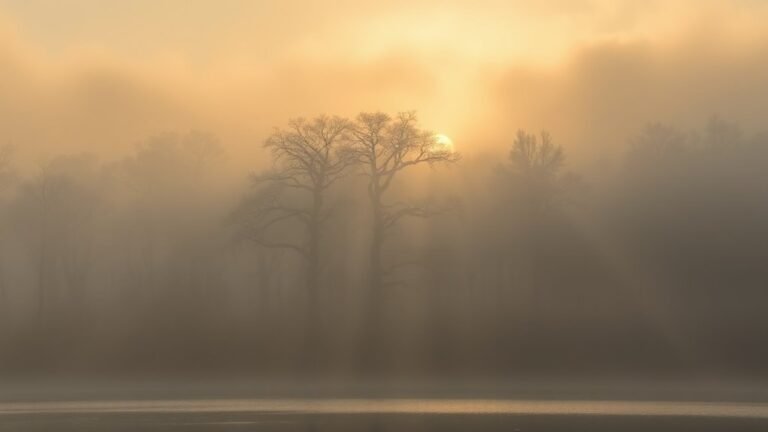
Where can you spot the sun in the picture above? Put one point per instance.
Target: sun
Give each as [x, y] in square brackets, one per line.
[443, 143]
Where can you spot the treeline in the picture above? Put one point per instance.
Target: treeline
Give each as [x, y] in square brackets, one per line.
[369, 246]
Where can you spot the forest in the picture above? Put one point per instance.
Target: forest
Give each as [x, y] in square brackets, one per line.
[368, 245]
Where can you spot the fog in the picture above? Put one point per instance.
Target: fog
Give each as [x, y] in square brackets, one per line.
[280, 189]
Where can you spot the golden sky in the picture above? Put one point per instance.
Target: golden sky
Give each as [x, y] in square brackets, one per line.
[101, 75]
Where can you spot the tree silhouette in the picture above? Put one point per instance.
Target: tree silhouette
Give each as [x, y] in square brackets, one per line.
[532, 184]
[385, 146]
[308, 161]
[657, 145]
[57, 207]
[535, 169]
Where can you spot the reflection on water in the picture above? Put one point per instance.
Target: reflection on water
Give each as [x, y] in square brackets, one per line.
[401, 415]
[395, 406]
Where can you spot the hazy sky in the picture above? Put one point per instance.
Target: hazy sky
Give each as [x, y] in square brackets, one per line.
[100, 75]
[205, 33]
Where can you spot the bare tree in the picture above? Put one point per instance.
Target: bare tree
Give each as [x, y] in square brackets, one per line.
[535, 167]
[657, 144]
[532, 181]
[385, 146]
[308, 161]
[58, 208]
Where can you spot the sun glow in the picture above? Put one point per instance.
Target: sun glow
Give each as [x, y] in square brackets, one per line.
[443, 143]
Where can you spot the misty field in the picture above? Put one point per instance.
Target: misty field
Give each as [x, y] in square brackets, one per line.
[446, 198]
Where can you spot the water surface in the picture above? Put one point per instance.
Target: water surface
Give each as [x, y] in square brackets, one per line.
[400, 415]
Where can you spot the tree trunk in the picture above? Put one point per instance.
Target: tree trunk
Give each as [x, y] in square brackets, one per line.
[314, 326]
[42, 281]
[372, 338]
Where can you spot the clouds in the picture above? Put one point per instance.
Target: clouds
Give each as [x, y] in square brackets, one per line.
[608, 91]
[103, 103]
[99, 77]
